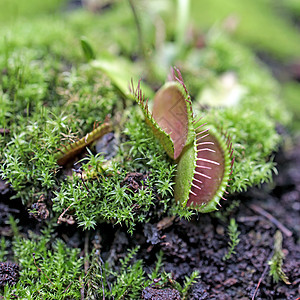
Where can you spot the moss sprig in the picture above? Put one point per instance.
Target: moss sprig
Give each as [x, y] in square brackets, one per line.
[276, 261]
[233, 234]
[49, 270]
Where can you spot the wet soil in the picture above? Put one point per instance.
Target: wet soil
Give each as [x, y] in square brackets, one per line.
[201, 243]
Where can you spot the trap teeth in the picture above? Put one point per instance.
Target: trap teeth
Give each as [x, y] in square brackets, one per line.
[208, 170]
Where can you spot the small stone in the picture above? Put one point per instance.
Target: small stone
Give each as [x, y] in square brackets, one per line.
[220, 230]
[150, 293]
[230, 281]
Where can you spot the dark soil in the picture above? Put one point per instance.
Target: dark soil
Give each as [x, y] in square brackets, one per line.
[9, 273]
[201, 243]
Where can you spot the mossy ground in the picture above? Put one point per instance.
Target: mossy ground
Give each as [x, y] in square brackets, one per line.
[52, 94]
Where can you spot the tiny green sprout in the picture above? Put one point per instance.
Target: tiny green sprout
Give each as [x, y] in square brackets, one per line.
[277, 260]
[204, 156]
[87, 49]
[234, 238]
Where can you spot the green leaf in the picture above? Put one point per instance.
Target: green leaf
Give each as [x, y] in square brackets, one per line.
[87, 49]
[119, 70]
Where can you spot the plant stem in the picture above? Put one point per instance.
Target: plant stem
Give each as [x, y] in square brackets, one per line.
[183, 11]
[139, 29]
[267, 215]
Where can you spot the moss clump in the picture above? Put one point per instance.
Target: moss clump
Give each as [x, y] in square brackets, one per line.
[42, 114]
[106, 197]
[233, 234]
[128, 279]
[49, 269]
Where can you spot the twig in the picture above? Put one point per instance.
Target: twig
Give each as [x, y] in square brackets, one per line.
[86, 251]
[86, 261]
[82, 289]
[262, 276]
[82, 179]
[59, 220]
[249, 219]
[101, 274]
[40, 270]
[267, 215]
[67, 287]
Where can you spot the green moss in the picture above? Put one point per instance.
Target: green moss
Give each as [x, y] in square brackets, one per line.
[59, 35]
[49, 269]
[225, 73]
[44, 108]
[292, 6]
[104, 198]
[276, 262]
[127, 279]
[126, 283]
[233, 234]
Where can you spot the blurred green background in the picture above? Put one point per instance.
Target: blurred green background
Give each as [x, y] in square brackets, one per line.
[270, 27]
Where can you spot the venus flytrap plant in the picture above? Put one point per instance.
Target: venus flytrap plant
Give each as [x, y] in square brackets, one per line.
[204, 160]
